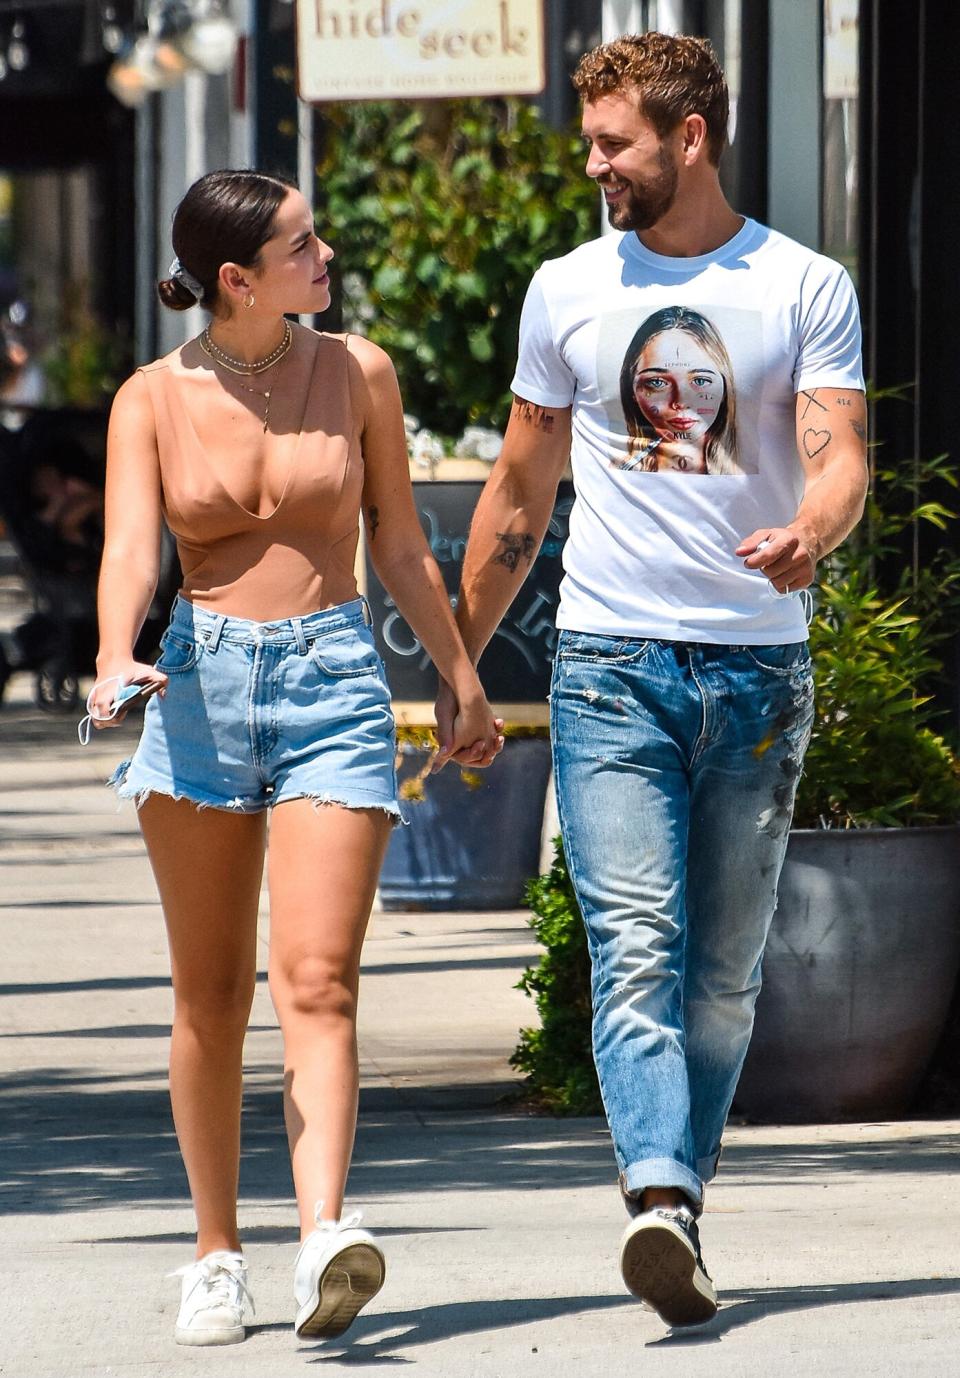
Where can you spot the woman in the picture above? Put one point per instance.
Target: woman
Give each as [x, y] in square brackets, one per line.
[676, 389]
[259, 442]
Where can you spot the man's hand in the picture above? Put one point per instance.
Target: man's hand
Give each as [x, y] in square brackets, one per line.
[464, 731]
[787, 557]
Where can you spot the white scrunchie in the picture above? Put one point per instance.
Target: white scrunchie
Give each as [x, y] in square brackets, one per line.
[186, 279]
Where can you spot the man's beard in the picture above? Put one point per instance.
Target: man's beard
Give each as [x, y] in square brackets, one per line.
[647, 202]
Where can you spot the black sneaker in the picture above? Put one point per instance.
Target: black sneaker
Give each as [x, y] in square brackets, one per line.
[661, 1264]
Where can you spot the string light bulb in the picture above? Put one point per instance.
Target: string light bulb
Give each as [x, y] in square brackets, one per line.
[18, 54]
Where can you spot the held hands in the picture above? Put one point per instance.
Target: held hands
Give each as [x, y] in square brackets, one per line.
[467, 731]
[787, 557]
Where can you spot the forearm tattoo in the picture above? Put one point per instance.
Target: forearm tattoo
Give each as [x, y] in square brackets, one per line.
[860, 429]
[517, 546]
[533, 415]
[373, 516]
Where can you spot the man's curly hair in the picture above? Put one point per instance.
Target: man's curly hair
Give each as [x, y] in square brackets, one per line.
[671, 77]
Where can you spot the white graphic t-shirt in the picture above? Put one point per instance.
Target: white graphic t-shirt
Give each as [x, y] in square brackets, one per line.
[682, 374]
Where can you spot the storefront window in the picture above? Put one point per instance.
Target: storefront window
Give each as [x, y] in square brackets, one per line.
[841, 90]
[59, 350]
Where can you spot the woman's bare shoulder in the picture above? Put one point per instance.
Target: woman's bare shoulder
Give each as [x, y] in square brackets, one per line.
[368, 355]
[132, 401]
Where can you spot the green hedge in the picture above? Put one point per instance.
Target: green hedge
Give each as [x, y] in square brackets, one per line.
[556, 1058]
[440, 213]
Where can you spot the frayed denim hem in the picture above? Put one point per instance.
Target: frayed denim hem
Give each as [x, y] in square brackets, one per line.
[123, 790]
[119, 783]
[377, 804]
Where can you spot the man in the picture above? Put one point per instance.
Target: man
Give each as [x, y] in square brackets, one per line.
[703, 373]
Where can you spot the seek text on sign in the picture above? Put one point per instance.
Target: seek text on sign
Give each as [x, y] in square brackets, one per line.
[410, 49]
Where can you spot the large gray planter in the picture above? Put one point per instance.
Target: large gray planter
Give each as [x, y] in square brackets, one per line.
[858, 974]
[470, 844]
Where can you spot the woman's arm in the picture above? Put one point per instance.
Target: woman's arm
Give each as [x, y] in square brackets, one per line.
[131, 544]
[402, 558]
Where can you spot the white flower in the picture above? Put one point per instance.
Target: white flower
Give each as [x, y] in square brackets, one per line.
[479, 442]
[425, 449]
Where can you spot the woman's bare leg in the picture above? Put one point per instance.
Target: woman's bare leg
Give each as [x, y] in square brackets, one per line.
[208, 865]
[323, 867]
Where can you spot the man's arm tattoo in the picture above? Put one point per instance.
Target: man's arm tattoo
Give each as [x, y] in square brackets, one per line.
[860, 429]
[373, 515]
[811, 402]
[815, 441]
[533, 415]
[517, 546]
[843, 401]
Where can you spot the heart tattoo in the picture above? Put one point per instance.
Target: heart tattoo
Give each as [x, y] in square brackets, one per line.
[815, 441]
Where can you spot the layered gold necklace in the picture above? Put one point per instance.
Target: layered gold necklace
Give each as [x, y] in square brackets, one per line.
[242, 367]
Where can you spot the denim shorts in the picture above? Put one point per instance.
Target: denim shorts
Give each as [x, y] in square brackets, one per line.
[255, 713]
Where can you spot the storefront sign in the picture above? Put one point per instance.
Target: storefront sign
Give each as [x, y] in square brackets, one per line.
[410, 49]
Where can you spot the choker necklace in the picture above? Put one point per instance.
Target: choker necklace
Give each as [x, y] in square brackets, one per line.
[227, 361]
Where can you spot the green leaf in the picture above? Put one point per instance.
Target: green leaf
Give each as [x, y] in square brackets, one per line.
[481, 344]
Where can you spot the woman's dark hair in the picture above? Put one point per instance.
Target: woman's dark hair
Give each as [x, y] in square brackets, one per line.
[721, 438]
[225, 217]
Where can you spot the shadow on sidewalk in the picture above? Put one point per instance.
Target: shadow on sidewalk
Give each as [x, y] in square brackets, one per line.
[95, 1142]
[932, 1151]
[372, 1342]
[91, 1141]
[449, 1321]
[747, 1305]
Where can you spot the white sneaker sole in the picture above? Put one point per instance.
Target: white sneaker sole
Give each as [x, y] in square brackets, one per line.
[349, 1281]
[220, 1335]
[659, 1267]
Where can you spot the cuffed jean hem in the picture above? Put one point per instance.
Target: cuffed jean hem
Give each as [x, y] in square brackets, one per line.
[707, 1167]
[660, 1172]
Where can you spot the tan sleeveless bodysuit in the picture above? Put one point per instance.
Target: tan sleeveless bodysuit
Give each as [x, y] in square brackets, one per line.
[300, 557]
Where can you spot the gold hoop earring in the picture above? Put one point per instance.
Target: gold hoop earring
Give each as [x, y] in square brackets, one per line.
[249, 300]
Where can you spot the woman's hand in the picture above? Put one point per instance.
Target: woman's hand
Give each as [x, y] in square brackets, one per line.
[467, 731]
[110, 679]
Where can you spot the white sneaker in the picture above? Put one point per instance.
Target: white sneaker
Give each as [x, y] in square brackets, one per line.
[338, 1269]
[213, 1300]
[661, 1264]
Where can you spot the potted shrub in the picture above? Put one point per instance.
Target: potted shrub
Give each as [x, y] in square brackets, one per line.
[863, 953]
[865, 945]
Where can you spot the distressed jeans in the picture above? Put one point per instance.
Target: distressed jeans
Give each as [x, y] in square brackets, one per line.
[676, 768]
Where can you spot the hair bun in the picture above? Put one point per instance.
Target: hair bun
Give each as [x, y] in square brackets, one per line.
[174, 295]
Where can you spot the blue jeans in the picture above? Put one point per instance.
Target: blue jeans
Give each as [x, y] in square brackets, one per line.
[676, 768]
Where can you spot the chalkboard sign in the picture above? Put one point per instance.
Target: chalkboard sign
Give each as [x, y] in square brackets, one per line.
[517, 663]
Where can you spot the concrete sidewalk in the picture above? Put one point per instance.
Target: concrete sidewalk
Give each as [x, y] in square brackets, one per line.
[833, 1247]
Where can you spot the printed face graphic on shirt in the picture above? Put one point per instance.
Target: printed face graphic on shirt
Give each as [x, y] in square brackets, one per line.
[679, 390]
[678, 397]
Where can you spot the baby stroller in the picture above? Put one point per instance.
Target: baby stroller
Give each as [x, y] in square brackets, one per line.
[51, 501]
